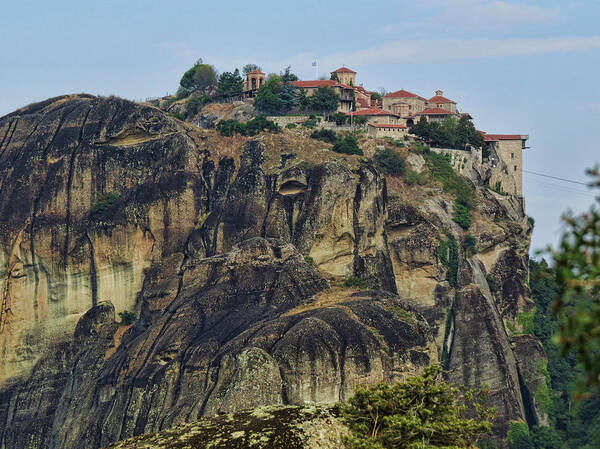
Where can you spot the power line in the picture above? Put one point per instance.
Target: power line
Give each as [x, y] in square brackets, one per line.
[556, 177]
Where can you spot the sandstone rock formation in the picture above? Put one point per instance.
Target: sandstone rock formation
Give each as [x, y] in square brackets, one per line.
[232, 260]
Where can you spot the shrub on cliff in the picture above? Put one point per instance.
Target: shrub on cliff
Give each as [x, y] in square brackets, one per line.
[104, 202]
[461, 215]
[325, 135]
[422, 412]
[230, 127]
[389, 162]
[441, 170]
[347, 145]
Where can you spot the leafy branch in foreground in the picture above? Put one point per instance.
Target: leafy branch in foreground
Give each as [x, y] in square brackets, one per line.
[423, 412]
[577, 264]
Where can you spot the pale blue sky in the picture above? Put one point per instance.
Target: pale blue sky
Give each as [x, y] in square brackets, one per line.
[526, 67]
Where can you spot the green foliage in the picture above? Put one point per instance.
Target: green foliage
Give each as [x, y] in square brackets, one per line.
[419, 147]
[440, 170]
[334, 77]
[347, 145]
[448, 255]
[230, 83]
[194, 104]
[251, 128]
[291, 126]
[360, 120]
[498, 188]
[177, 115]
[521, 437]
[525, 320]
[447, 328]
[376, 96]
[103, 202]
[530, 222]
[310, 261]
[325, 135]
[198, 78]
[353, 281]
[250, 68]
[339, 118]
[469, 245]
[577, 264]
[127, 317]
[422, 412]
[277, 95]
[389, 162]
[413, 177]
[403, 314]
[573, 423]
[491, 283]
[451, 133]
[310, 123]
[461, 215]
[324, 100]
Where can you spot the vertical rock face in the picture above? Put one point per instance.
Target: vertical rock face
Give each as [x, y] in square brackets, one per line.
[107, 206]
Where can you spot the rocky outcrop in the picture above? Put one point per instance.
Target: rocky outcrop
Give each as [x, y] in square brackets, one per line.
[272, 427]
[232, 260]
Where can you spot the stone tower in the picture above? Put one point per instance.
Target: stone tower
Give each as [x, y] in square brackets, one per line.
[254, 80]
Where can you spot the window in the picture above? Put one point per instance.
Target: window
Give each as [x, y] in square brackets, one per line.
[515, 168]
[512, 155]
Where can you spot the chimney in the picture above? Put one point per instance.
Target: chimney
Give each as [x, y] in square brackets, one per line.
[439, 92]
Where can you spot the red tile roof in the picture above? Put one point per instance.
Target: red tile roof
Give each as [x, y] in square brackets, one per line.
[382, 125]
[320, 83]
[497, 137]
[440, 99]
[343, 70]
[434, 111]
[403, 94]
[256, 72]
[373, 111]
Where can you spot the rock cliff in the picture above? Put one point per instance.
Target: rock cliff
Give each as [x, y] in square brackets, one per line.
[231, 252]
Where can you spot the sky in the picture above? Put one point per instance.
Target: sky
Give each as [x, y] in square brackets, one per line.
[519, 67]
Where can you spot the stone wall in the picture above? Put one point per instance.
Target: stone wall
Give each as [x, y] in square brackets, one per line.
[507, 166]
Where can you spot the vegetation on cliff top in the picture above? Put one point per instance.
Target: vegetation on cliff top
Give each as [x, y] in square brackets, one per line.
[422, 412]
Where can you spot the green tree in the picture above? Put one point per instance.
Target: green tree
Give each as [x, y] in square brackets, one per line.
[389, 162]
[230, 83]
[267, 99]
[250, 68]
[324, 100]
[422, 412]
[376, 96]
[347, 145]
[199, 77]
[334, 77]
[577, 265]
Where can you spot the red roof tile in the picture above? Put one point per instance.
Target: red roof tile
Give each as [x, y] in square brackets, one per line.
[372, 111]
[403, 94]
[256, 72]
[440, 99]
[497, 137]
[434, 111]
[343, 70]
[382, 125]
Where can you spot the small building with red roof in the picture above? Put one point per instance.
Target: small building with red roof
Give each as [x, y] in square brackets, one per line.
[506, 158]
[403, 102]
[345, 76]
[441, 102]
[387, 130]
[254, 80]
[434, 114]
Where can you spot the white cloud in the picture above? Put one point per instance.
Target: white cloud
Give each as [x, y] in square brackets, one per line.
[422, 50]
[457, 14]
